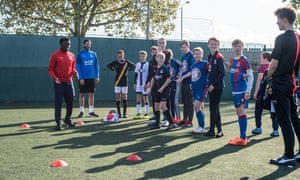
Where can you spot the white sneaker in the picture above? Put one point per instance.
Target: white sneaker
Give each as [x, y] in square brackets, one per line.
[199, 130]
[165, 123]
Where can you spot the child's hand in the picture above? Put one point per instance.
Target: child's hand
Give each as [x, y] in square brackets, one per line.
[245, 76]
[247, 96]
[255, 96]
[160, 90]
[211, 88]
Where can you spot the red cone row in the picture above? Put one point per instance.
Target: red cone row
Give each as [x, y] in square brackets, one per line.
[59, 163]
[133, 157]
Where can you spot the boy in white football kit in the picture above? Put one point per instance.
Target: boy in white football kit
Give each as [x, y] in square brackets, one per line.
[140, 79]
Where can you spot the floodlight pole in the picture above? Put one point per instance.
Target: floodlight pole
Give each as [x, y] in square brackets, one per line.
[78, 27]
[148, 21]
[181, 19]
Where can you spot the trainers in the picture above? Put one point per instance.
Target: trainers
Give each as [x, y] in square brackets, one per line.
[182, 122]
[69, 122]
[146, 116]
[257, 131]
[188, 124]
[199, 130]
[80, 115]
[238, 141]
[171, 126]
[165, 123]
[93, 114]
[153, 125]
[58, 127]
[283, 161]
[275, 133]
[137, 116]
[209, 133]
[125, 116]
[176, 120]
[219, 134]
[297, 156]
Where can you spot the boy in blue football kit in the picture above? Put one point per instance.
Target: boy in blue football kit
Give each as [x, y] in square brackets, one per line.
[241, 81]
[88, 71]
[121, 67]
[140, 79]
[199, 81]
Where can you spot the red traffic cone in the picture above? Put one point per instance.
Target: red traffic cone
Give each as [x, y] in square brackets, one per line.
[25, 125]
[59, 163]
[133, 157]
[79, 123]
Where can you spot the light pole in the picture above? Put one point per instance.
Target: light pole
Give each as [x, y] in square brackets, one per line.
[181, 18]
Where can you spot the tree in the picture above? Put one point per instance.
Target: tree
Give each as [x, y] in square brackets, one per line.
[296, 5]
[118, 17]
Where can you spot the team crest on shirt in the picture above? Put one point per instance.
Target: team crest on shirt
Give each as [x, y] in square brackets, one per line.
[184, 66]
[196, 74]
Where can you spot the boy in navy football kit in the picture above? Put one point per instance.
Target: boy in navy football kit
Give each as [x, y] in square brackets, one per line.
[241, 81]
[140, 79]
[265, 59]
[216, 74]
[121, 67]
[185, 80]
[283, 69]
[88, 71]
[199, 81]
[160, 86]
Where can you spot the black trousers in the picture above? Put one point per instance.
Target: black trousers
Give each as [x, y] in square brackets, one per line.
[214, 109]
[258, 113]
[287, 117]
[63, 91]
[187, 99]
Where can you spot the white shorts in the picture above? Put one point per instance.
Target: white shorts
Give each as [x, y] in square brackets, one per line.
[140, 89]
[123, 89]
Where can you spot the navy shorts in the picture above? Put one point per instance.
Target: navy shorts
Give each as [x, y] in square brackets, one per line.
[239, 99]
[88, 87]
[199, 94]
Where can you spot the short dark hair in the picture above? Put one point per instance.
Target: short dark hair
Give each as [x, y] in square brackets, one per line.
[236, 42]
[287, 12]
[86, 40]
[266, 55]
[63, 39]
[121, 51]
[185, 42]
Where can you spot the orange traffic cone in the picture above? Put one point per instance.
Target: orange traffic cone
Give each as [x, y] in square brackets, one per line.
[25, 125]
[133, 157]
[59, 163]
[79, 123]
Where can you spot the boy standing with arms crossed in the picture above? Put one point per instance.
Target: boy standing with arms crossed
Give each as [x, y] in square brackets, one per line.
[140, 79]
[216, 74]
[121, 67]
[241, 81]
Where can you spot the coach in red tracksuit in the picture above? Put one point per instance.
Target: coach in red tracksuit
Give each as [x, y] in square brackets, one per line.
[61, 69]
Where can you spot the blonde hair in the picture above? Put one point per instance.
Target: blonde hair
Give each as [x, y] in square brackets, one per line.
[198, 49]
[160, 55]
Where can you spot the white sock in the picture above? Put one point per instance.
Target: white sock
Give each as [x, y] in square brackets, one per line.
[81, 109]
[138, 108]
[146, 108]
[91, 108]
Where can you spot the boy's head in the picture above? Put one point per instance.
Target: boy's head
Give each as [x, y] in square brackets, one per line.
[198, 53]
[285, 16]
[154, 50]
[120, 54]
[162, 43]
[238, 47]
[171, 53]
[185, 46]
[265, 57]
[142, 56]
[213, 44]
[160, 58]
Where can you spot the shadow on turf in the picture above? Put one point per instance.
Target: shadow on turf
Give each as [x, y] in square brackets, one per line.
[280, 172]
